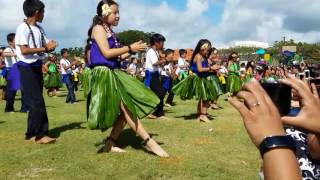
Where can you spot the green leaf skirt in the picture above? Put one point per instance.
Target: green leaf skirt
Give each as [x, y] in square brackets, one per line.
[86, 81]
[233, 83]
[52, 80]
[3, 81]
[107, 89]
[194, 86]
[216, 82]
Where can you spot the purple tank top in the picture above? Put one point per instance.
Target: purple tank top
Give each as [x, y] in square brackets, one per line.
[97, 58]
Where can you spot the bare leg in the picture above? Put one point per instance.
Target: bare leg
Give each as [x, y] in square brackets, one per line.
[203, 109]
[115, 133]
[138, 128]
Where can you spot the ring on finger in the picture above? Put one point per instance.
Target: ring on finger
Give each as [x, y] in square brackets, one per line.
[256, 104]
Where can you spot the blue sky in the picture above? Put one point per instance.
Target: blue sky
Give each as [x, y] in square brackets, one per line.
[182, 22]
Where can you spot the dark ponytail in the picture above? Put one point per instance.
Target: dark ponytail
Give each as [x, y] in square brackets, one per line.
[97, 20]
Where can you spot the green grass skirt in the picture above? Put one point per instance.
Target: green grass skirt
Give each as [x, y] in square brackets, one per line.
[52, 80]
[216, 82]
[108, 88]
[86, 81]
[194, 86]
[233, 83]
[3, 81]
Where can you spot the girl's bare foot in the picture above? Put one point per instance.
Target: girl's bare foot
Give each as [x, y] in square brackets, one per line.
[109, 146]
[214, 106]
[204, 118]
[153, 147]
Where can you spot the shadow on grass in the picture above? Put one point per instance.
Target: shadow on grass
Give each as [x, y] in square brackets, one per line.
[129, 138]
[62, 95]
[1, 122]
[56, 132]
[194, 116]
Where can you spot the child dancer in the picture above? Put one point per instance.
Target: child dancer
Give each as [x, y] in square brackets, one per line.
[115, 97]
[233, 81]
[198, 84]
[52, 79]
[31, 44]
[166, 77]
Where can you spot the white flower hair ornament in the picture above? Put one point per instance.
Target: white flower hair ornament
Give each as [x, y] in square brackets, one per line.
[106, 10]
[205, 46]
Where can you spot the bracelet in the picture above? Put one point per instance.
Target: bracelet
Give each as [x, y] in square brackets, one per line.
[274, 142]
[130, 50]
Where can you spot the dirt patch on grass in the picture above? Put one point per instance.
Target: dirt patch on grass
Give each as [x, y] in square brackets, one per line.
[33, 172]
[174, 161]
[201, 141]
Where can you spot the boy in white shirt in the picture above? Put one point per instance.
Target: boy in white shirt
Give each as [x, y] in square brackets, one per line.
[152, 66]
[12, 75]
[183, 65]
[166, 77]
[66, 72]
[31, 45]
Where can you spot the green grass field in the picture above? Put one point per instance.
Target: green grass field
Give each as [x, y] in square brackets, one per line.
[196, 152]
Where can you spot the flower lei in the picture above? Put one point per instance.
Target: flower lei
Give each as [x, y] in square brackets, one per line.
[111, 34]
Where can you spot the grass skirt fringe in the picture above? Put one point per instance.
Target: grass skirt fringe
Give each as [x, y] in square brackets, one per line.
[233, 83]
[194, 86]
[3, 81]
[86, 81]
[108, 88]
[216, 82]
[52, 80]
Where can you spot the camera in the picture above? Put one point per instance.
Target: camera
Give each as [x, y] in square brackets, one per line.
[280, 95]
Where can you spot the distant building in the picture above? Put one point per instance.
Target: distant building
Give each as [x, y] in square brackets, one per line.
[253, 44]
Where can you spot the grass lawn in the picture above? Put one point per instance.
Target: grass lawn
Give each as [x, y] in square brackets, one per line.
[196, 152]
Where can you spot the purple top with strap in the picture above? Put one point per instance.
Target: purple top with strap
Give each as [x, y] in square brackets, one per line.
[97, 58]
[204, 64]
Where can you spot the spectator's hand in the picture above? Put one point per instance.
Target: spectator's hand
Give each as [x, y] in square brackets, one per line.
[261, 117]
[138, 46]
[309, 116]
[51, 45]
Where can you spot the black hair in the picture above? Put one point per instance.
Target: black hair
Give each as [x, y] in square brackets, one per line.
[97, 19]
[64, 50]
[31, 6]
[231, 56]
[249, 65]
[182, 51]
[198, 47]
[168, 52]
[156, 38]
[10, 37]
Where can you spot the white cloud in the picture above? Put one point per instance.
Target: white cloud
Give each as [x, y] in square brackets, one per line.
[68, 20]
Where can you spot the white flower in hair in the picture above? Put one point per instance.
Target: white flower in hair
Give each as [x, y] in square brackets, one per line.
[106, 10]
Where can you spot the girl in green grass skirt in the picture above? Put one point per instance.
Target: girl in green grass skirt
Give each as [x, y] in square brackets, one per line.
[233, 81]
[249, 72]
[114, 97]
[199, 84]
[52, 80]
[214, 59]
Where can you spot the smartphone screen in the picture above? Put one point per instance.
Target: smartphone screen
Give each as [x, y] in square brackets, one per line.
[280, 95]
[316, 82]
[301, 76]
[307, 74]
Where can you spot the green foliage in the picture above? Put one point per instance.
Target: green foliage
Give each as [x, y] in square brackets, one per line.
[130, 36]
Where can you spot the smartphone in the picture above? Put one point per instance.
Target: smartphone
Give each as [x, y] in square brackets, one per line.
[316, 82]
[301, 75]
[280, 95]
[307, 74]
